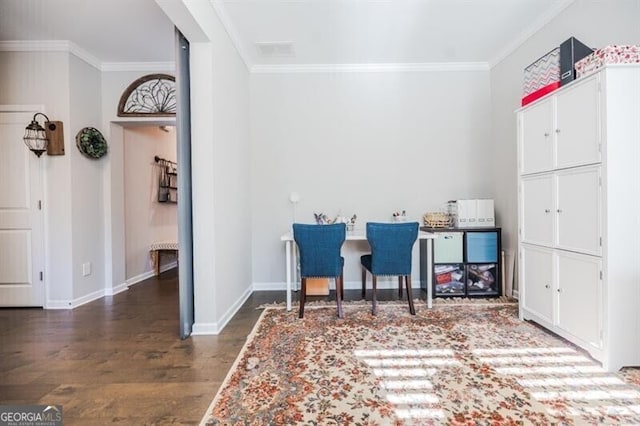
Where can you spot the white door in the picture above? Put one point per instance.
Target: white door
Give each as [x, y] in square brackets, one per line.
[536, 150]
[537, 210]
[538, 282]
[578, 133]
[579, 296]
[578, 210]
[21, 236]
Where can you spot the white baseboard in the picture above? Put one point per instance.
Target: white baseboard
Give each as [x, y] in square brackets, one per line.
[150, 274]
[214, 328]
[391, 283]
[71, 304]
[515, 294]
[117, 289]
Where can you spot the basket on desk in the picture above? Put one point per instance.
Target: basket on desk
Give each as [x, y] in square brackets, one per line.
[437, 219]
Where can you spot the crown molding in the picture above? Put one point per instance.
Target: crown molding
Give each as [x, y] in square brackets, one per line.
[220, 10]
[80, 53]
[530, 31]
[391, 67]
[138, 66]
[50, 46]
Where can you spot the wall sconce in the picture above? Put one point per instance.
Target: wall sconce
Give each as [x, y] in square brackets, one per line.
[40, 139]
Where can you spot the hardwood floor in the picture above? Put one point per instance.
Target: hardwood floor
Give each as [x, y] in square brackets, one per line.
[120, 359]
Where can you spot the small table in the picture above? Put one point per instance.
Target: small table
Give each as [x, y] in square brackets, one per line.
[357, 235]
[158, 249]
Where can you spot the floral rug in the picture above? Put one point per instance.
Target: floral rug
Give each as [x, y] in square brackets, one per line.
[471, 365]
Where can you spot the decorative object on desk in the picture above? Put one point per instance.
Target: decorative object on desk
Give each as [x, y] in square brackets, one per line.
[323, 219]
[437, 219]
[91, 143]
[399, 216]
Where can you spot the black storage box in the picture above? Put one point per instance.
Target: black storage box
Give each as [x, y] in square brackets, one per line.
[571, 51]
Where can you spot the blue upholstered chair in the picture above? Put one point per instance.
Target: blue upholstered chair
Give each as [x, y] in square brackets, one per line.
[391, 246]
[319, 247]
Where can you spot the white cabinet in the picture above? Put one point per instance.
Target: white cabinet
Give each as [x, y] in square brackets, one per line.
[578, 210]
[536, 264]
[554, 136]
[562, 209]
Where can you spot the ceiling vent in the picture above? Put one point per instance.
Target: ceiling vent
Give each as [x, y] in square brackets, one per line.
[275, 48]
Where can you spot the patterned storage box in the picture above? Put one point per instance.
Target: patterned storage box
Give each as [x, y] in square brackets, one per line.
[613, 54]
[541, 77]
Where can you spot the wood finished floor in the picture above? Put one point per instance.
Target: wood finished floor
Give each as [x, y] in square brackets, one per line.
[120, 359]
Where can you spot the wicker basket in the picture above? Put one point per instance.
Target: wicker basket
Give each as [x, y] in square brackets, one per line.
[437, 219]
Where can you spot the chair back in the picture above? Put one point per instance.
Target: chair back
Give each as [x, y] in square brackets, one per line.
[319, 247]
[391, 247]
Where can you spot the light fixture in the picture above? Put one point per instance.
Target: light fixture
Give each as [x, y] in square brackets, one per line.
[35, 136]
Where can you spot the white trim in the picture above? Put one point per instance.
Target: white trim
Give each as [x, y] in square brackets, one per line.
[399, 67]
[383, 284]
[72, 304]
[138, 66]
[79, 52]
[150, 274]
[58, 304]
[21, 108]
[530, 31]
[214, 328]
[218, 7]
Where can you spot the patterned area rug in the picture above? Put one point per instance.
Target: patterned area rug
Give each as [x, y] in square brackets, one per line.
[475, 365]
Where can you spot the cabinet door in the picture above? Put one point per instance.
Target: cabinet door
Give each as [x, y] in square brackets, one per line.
[578, 210]
[537, 281]
[577, 131]
[537, 210]
[579, 296]
[536, 141]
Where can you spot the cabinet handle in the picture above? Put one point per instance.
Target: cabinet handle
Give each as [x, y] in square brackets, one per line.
[559, 210]
[547, 211]
[546, 134]
[559, 291]
[547, 286]
[557, 130]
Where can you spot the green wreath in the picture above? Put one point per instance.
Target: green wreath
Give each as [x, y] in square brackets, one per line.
[91, 143]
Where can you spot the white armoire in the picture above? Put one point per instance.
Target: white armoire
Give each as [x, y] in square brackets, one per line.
[579, 214]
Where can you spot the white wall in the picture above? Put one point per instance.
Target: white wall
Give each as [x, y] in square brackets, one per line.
[146, 220]
[220, 165]
[595, 23]
[364, 143]
[87, 186]
[42, 78]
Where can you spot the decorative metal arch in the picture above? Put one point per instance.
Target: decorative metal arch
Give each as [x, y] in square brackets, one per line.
[152, 95]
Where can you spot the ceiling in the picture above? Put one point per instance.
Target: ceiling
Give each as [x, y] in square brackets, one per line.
[292, 32]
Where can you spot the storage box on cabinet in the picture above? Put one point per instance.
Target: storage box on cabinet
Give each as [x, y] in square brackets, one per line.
[447, 248]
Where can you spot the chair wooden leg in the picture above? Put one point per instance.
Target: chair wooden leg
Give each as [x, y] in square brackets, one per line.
[374, 309]
[339, 294]
[364, 281]
[303, 296]
[407, 279]
[400, 286]
[342, 284]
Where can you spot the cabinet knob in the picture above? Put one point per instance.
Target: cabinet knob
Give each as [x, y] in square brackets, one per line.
[546, 134]
[557, 130]
[547, 211]
[547, 286]
[559, 210]
[559, 291]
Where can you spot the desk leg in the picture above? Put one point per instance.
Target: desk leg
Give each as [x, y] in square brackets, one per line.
[430, 273]
[288, 262]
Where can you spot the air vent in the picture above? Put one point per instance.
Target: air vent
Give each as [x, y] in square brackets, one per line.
[276, 48]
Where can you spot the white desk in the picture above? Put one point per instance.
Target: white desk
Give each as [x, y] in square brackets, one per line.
[292, 262]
